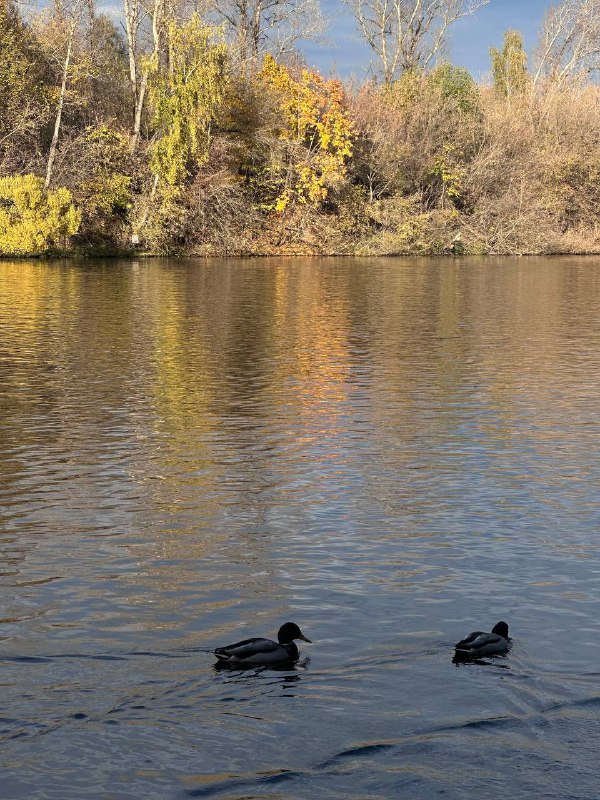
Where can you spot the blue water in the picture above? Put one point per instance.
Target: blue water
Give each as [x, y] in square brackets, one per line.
[390, 453]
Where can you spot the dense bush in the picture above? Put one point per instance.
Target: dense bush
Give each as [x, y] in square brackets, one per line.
[33, 219]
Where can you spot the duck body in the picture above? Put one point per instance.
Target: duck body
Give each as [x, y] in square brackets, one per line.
[479, 643]
[264, 651]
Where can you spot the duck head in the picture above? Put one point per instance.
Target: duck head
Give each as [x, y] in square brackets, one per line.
[501, 629]
[289, 632]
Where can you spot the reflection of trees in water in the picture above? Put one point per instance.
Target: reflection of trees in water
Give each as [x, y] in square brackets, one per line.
[31, 300]
[69, 404]
[199, 406]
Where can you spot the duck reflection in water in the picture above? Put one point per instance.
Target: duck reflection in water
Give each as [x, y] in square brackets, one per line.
[463, 661]
[286, 671]
[282, 680]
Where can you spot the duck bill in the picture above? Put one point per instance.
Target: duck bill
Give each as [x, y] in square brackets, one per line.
[304, 638]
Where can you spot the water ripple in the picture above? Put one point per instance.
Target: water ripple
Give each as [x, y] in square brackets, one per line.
[391, 453]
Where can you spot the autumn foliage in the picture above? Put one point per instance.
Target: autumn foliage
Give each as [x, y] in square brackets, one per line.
[171, 144]
[33, 220]
[315, 124]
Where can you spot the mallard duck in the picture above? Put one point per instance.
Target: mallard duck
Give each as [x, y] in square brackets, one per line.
[264, 651]
[479, 644]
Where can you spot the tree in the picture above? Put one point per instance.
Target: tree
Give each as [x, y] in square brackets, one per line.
[61, 32]
[105, 90]
[102, 178]
[456, 83]
[185, 99]
[23, 93]
[33, 219]
[569, 41]
[408, 34]
[61, 96]
[509, 65]
[273, 26]
[316, 129]
[139, 75]
[133, 19]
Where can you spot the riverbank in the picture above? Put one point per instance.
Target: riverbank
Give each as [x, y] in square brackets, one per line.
[295, 252]
[275, 159]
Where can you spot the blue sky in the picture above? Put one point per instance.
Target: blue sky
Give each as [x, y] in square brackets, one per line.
[469, 47]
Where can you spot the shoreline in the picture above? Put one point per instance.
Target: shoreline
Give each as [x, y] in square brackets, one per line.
[132, 255]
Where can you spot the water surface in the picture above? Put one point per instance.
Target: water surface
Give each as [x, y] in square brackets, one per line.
[390, 453]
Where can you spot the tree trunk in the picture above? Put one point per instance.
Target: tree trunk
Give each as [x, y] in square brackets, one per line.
[130, 9]
[139, 105]
[61, 102]
[157, 23]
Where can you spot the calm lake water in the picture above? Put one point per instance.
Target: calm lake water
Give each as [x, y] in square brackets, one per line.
[390, 453]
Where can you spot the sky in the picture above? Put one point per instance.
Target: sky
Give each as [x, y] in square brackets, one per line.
[472, 37]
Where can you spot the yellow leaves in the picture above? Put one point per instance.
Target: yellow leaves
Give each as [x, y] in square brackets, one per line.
[107, 190]
[509, 65]
[104, 135]
[315, 121]
[185, 99]
[106, 194]
[33, 219]
[447, 169]
[283, 201]
[20, 73]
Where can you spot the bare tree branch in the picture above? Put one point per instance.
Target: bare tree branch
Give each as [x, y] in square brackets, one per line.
[157, 17]
[569, 42]
[408, 34]
[274, 26]
[75, 11]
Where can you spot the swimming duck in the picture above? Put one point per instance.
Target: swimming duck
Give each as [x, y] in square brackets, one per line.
[479, 644]
[264, 651]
